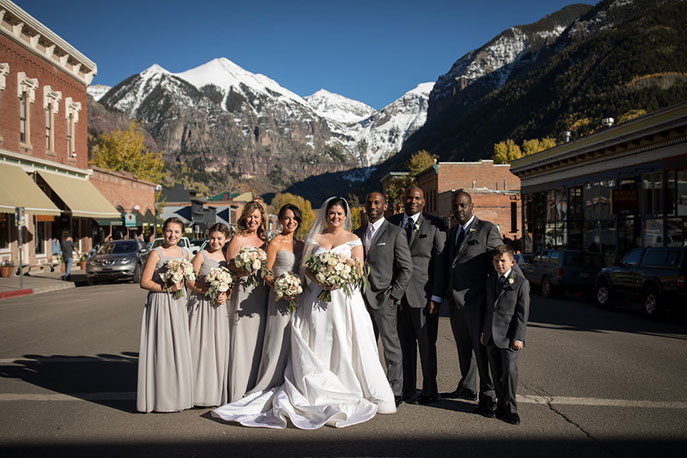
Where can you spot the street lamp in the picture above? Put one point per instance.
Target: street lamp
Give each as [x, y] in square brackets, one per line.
[158, 188]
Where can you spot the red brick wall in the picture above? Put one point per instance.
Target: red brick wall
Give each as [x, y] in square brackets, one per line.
[484, 174]
[22, 60]
[123, 190]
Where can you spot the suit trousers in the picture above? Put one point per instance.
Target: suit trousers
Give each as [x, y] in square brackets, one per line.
[416, 327]
[466, 324]
[504, 368]
[385, 322]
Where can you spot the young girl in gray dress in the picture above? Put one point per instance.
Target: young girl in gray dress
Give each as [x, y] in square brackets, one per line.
[165, 377]
[247, 306]
[283, 255]
[209, 326]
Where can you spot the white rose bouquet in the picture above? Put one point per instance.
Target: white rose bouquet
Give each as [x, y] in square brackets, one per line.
[219, 280]
[337, 271]
[252, 261]
[177, 271]
[288, 285]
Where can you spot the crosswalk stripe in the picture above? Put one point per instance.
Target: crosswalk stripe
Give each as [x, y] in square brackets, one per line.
[525, 399]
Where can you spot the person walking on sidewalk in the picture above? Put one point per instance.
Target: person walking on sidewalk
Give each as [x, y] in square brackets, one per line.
[67, 254]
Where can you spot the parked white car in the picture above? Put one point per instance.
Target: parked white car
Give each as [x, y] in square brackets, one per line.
[184, 244]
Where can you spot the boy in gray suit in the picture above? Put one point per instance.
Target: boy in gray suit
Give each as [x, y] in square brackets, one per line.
[503, 333]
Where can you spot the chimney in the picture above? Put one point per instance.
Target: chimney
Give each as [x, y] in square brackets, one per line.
[566, 136]
[473, 184]
[608, 122]
[505, 186]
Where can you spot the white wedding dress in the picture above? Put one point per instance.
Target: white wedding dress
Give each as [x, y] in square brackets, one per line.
[333, 376]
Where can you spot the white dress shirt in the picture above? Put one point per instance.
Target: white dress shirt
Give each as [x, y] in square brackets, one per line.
[371, 231]
[465, 229]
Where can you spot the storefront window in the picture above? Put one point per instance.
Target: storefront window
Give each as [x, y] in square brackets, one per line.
[40, 240]
[576, 203]
[653, 232]
[6, 221]
[607, 239]
[653, 194]
[675, 231]
[681, 192]
[629, 234]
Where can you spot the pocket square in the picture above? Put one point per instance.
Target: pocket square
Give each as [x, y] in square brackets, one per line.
[381, 244]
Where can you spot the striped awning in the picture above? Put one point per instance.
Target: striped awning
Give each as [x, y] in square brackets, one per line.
[82, 198]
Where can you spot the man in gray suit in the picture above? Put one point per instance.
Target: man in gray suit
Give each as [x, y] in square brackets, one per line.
[387, 255]
[470, 243]
[418, 317]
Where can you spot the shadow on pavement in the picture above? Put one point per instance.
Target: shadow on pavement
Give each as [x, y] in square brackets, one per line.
[79, 376]
[498, 446]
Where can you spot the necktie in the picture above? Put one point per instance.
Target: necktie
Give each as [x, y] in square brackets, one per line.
[368, 237]
[409, 228]
[502, 282]
[461, 237]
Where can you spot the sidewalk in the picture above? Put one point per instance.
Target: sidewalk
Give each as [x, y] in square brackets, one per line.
[39, 282]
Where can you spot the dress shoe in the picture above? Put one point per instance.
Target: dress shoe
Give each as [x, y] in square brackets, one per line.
[486, 408]
[511, 417]
[461, 393]
[398, 400]
[410, 395]
[423, 400]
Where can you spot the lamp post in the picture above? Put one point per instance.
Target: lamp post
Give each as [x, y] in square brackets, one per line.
[158, 188]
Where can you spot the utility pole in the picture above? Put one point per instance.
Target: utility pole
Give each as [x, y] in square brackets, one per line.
[19, 220]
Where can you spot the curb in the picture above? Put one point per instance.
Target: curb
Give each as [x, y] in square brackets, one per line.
[15, 293]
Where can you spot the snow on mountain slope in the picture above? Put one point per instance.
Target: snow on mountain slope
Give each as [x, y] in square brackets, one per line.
[97, 91]
[338, 108]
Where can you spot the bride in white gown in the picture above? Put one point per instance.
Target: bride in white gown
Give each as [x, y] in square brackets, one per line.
[333, 376]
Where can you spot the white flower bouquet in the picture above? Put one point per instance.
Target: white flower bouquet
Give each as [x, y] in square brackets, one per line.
[219, 280]
[252, 261]
[288, 285]
[177, 271]
[337, 271]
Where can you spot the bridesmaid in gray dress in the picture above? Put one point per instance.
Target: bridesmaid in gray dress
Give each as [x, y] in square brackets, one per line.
[247, 306]
[283, 255]
[209, 326]
[165, 374]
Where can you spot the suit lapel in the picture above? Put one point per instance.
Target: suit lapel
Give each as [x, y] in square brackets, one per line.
[470, 235]
[378, 236]
[414, 233]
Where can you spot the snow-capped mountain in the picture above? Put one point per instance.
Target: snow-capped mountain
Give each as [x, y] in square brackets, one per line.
[493, 64]
[97, 91]
[382, 134]
[222, 111]
[338, 108]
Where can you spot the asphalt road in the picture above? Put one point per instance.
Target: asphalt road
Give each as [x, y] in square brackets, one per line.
[592, 383]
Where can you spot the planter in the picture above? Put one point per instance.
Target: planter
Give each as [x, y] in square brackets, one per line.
[6, 271]
[63, 267]
[82, 265]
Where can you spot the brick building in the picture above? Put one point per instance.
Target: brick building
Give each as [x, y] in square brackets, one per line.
[43, 139]
[494, 189]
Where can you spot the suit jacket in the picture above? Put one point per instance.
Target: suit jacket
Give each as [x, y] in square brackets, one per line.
[507, 309]
[390, 264]
[427, 246]
[471, 262]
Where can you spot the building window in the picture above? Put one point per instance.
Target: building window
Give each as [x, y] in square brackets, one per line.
[6, 220]
[23, 118]
[26, 91]
[48, 127]
[51, 101]
[4, 71]
[70, 141]
[40, 241]
[513, 216]
[72, 114]
[653, 194]
[681, 191]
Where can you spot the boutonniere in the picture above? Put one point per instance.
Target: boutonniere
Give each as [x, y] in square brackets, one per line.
[472, 229]
[511, 280]
[416, 227]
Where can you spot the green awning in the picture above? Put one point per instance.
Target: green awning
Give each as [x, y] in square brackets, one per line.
[19, 190]
[82, 198]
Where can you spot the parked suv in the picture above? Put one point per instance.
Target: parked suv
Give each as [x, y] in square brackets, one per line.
[116, 260]
[656, 275]
[555, 271]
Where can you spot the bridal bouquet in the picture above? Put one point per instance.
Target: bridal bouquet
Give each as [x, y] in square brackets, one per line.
[252, 261]
[177, 271]
[338, 271]
[219, 281]
[288, 286]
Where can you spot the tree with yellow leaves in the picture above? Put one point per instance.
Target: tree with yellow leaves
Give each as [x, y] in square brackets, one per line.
[125, 150]
[506, 152]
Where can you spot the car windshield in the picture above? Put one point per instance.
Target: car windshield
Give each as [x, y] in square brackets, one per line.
[197, 242]
[584, 260]
[118, 248]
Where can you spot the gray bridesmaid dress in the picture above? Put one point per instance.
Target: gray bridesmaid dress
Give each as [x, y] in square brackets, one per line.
[209, 332]
[165, 374]
[247, 317]
[277, 344]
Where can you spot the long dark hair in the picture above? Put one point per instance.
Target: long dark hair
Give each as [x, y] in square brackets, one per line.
[296, 214]
[249, 208]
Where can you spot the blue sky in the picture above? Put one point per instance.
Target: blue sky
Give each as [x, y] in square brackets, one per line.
[372, 51]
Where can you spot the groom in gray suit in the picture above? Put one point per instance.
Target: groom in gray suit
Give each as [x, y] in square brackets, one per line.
[418, 317]
[387, 255]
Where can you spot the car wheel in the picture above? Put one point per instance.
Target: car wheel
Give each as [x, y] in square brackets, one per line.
[546, 287]
[651, 305]
[136, 277]
[603, 294]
